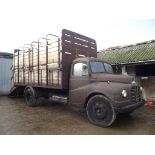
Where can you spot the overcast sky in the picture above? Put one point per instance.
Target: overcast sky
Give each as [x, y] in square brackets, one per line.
[23, 21]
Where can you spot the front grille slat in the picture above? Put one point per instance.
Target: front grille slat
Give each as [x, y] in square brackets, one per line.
[135, 94]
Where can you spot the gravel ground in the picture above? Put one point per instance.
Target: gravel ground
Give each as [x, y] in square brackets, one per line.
[17, 118]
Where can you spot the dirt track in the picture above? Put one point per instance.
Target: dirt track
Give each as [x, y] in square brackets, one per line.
[17, 118]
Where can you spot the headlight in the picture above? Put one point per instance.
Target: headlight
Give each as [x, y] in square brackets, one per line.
[124, 93]
[133, 82]
[141, 89]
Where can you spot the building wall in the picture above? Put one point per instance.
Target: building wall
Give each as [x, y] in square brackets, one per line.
[145, 80]
[5, 75]
[148, 83]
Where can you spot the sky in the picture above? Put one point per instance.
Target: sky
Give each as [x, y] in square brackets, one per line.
[24, 21]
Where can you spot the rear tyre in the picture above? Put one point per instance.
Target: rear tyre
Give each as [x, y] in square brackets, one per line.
[30, 96]
[100, 111]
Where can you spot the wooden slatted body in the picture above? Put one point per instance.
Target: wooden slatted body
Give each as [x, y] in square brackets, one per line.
[48, 64]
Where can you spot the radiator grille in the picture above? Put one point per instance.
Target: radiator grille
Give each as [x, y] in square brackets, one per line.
[135, 94]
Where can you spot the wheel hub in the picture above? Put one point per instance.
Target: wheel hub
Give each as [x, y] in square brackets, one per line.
[99, 110]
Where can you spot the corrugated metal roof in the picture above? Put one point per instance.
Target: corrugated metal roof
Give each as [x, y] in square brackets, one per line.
[6, 55]
[137, 53]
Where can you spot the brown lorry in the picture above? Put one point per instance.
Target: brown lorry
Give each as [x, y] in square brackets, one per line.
[67, 70]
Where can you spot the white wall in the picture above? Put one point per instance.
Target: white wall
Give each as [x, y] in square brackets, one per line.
[5, 75]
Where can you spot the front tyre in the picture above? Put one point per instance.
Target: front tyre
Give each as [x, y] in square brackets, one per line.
[100, 111]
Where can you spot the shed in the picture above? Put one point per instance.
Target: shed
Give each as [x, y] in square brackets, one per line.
[137, 60]
[6, 60]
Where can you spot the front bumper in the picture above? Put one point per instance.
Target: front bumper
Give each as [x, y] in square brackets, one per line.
[129, 107]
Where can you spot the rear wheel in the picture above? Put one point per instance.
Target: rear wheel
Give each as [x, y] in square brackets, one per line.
[100, 111]
[30, 96]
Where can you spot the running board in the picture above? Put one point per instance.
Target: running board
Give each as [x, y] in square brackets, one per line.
[61, 99]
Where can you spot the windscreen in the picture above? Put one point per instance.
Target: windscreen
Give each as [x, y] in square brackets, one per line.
[100, 67]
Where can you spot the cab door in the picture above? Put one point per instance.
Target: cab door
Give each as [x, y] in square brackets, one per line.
[79, 81]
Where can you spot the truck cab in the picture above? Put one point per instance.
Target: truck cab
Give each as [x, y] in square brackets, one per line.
[95, 87]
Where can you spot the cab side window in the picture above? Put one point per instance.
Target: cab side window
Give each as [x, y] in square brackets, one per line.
[80, 69]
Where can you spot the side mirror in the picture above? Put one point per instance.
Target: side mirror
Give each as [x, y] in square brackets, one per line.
[84, 67]
[85, 70]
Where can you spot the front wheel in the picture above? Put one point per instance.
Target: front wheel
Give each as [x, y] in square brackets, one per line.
[30, 96]
[100, 111]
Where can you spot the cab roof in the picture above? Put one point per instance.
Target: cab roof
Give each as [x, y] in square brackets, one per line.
[86, 59]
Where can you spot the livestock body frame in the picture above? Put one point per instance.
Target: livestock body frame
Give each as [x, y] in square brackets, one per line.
[47, 64]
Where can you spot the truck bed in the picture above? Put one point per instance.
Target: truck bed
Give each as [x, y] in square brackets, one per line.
[47, 63]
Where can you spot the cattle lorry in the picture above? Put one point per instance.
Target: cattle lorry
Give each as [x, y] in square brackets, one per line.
[67, 70]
